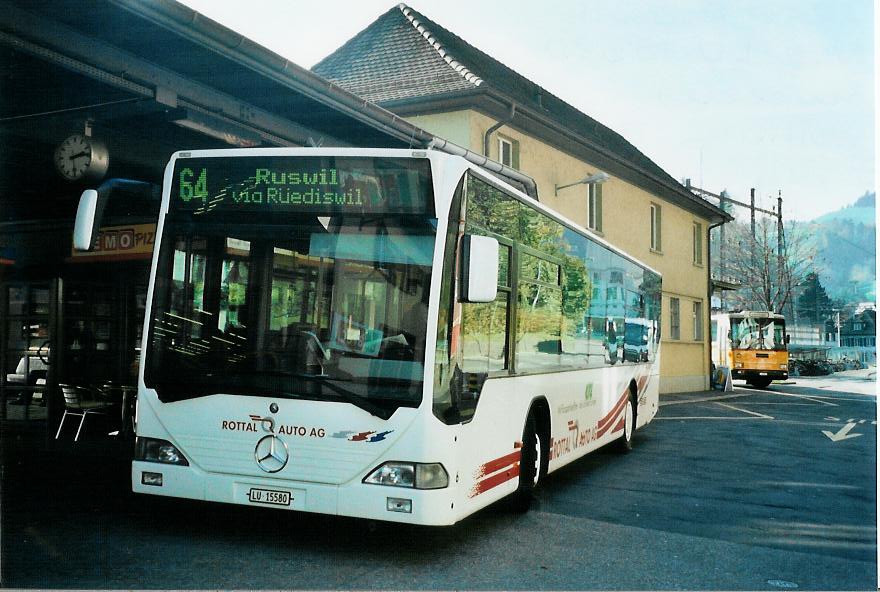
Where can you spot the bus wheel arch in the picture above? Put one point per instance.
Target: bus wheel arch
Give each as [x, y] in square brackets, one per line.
[541, 411]
[630, 418]
[634, 396]
[536, 438]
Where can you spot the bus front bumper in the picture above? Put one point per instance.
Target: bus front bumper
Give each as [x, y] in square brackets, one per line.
[356, 499]
[750, 374]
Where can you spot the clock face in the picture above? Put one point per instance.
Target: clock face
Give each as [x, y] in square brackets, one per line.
[79, 156]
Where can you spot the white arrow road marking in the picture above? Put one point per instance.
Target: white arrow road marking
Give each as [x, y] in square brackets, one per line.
[843, 434]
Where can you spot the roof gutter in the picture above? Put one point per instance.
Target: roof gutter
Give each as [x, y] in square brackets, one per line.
[527, 182]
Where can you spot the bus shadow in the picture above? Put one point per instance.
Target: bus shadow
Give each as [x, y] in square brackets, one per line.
[270, 528]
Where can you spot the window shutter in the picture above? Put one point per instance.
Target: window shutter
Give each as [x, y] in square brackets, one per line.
[698, 243]
[598, 207]
[514, 156]
[659, 226]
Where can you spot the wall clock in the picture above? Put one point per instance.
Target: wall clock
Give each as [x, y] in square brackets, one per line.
[80, 157]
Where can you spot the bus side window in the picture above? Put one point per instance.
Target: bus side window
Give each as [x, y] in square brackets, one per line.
[484, 326]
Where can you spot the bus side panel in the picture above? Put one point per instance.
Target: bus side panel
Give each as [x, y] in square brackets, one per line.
[589, 413]
[488, 452]
[649, 395]
[586, 412]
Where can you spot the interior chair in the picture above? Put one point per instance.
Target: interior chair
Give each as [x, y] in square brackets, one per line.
[80, 401]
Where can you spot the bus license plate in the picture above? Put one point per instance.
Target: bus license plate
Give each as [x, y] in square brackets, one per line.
[269, 496]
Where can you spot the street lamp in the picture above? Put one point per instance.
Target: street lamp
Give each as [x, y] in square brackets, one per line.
[595, 178]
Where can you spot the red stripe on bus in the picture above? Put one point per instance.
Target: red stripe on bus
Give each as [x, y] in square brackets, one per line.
[617, 411]
[642, 382]
[613, 413]
[604, 429]
[619, 425]
[495, 480]
[498, 464]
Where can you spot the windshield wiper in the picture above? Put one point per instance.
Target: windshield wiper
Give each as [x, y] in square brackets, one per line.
[351, 397]
[181, 391]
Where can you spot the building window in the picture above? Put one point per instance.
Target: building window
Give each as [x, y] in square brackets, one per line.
[698, 321]
[656, 244]
[674, 319]
[508, 152]
[594, 207]
[698, 243]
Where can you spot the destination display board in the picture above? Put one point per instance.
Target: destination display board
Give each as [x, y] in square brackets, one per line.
[314, 185]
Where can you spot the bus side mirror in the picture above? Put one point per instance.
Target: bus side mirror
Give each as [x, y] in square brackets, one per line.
[88, 216]
[787, 339]
[479, 268]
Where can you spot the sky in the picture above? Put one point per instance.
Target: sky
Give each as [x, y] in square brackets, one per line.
[772, 94]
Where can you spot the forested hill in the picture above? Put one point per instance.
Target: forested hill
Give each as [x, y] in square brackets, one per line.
[845, 246]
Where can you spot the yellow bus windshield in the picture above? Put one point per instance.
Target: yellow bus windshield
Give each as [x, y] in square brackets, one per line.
[757, 334]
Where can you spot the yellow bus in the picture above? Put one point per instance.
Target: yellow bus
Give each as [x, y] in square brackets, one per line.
[753, 344]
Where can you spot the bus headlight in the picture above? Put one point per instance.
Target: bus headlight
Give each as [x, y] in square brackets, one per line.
[414, 475]
[158, 451]
[783, 366]
[738, 365]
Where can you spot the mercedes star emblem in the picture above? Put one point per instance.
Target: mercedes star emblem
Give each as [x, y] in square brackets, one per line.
[271, 454]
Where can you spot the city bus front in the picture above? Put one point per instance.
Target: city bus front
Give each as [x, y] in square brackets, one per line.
[286, 336]
[758, 348]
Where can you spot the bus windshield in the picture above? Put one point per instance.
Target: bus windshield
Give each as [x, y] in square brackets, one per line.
[757, 334]
[296, 304]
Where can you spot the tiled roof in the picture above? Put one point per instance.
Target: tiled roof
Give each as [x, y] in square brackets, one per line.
[392, 60]
[405, 56]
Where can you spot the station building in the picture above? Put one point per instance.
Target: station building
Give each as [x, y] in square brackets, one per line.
[426, 74]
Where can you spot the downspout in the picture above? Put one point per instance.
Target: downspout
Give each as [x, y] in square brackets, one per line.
[709, 266]
[492, 129]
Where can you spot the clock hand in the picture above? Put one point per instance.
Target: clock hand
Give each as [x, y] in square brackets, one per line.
[75, 156]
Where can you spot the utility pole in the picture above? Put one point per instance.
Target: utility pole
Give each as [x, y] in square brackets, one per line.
[721, 268]
[753, 245]
[784, 278]
[780, 258]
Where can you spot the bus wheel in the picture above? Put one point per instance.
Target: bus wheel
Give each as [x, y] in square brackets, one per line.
[760, 382]
[625, 442]
[529, 466]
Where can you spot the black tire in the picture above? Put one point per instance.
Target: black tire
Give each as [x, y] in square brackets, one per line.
[625, 442]
[760, 383]
[529, 466]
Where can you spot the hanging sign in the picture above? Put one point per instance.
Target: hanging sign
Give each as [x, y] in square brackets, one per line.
[120, 243]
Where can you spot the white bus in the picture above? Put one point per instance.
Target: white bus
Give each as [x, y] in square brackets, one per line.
[386, 334]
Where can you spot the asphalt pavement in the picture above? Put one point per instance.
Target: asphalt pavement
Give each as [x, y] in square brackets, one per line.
[749, 490]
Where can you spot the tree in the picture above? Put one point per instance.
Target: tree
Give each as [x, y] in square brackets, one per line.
[767, 280]
[814, 304]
